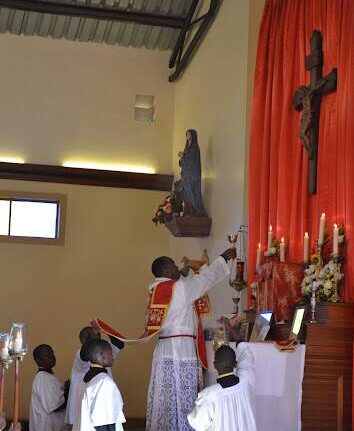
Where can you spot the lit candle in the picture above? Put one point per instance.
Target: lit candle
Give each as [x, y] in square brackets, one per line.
[270, 237]
[335, 240]
[282, 250]
[321, 229]
[259, 255]
[18, 344]
[306, 247]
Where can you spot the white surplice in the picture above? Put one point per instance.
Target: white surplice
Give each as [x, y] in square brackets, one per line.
[232, 408]
[78, 371]
[174, 376]
[47, 395]
[100, 403]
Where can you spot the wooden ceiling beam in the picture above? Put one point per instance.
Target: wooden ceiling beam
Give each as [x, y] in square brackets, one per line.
[86, 177]
[94, 12]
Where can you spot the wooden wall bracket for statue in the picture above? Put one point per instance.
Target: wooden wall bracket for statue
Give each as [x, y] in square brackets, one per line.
[189, 226]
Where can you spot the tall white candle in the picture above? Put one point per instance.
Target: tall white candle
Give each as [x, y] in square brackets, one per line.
[259, 255]
[270, 237]
[282, 250]
[306, 247]
[335, 240]
[321, 229]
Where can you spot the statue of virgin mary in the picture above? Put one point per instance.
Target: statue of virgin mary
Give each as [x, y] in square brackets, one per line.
[191, 175]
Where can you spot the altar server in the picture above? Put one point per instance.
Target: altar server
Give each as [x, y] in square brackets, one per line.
[228, 405]
[81, 366]
[100, 402]
[174, 377]
[47, 408]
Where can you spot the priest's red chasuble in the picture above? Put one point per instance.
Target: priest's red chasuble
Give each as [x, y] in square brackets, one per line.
[159, 301]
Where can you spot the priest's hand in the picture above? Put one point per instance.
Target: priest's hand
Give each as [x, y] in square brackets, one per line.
[229, 254]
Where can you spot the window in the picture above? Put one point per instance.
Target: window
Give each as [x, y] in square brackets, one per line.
[32, 217]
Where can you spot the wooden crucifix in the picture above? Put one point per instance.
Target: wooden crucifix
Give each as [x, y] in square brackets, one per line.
[308, 100]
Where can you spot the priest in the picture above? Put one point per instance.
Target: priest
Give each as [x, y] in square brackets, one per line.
[174, 378]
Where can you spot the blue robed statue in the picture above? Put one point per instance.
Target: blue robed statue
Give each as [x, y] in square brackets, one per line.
[191, 176]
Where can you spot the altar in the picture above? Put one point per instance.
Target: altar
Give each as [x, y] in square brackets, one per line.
[278, 391]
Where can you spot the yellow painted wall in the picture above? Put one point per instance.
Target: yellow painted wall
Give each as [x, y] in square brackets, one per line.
[62, 100]
[102, 270]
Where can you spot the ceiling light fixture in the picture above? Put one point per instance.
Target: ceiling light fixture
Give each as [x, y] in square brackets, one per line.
[109, 167]
[6, 159]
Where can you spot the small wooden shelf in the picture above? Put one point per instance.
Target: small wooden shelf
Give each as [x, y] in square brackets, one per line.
[189, 226]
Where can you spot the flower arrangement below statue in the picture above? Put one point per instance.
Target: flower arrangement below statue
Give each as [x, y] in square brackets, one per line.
[171, 206]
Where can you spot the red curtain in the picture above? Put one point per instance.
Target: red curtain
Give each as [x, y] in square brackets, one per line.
[278, 164]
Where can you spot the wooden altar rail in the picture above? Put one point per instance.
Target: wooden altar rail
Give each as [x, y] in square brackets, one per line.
[327, 385]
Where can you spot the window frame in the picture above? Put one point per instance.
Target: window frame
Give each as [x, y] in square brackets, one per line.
[59, 199]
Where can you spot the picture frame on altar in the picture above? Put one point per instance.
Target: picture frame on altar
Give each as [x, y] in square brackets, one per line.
[261, 326]
[297, 322]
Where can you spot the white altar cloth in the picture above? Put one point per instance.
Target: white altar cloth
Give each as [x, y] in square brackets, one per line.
[278, 382]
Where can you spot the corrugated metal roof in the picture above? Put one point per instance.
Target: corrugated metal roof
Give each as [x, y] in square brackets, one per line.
[92, 30]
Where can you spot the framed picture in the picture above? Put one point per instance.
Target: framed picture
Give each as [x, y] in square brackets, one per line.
[261, 326]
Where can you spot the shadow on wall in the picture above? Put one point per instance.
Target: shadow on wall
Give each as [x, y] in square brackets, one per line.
[209, 175]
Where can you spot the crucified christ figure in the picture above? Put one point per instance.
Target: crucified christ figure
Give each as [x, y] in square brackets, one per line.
[308, 100]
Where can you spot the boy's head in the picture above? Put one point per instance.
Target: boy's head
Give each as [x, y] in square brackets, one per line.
[100, 353]
[44, 356]
[225, 360]
[88, 332]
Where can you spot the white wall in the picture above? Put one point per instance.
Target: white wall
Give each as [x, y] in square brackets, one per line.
[211, 98]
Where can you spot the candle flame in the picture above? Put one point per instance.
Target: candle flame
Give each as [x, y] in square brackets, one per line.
[335, 226]
[270, 228]
[323, 215]
[259, 246]
[282, 239]
[306, 234]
